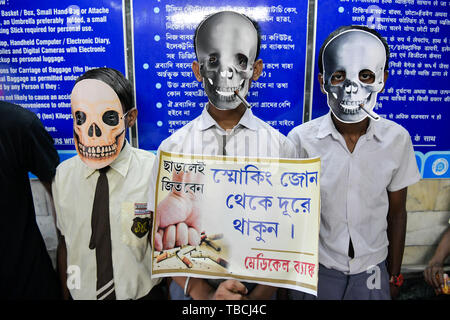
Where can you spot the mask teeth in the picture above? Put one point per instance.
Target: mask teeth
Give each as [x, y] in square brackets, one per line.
[352, 103]
[350, 111]
[227, 92]
[98, 151]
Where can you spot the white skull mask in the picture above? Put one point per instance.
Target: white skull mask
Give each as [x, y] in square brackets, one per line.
[353, 65]
[226, 45]
[98, 129]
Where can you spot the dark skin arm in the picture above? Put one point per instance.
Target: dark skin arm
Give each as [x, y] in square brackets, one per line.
[396, 232]
[199, 289]
[434, 273]
[47, 186]
[61, 258]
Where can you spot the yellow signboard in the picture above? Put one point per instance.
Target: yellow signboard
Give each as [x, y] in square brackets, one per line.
[250, 219]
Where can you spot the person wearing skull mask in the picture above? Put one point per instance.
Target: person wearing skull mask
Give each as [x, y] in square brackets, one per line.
[367, 164]
[100, 197]
[227, 47]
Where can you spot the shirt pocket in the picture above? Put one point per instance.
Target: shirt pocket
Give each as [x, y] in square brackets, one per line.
[136, 227]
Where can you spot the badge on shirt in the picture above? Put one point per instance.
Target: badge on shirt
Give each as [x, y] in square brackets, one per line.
[142, 221]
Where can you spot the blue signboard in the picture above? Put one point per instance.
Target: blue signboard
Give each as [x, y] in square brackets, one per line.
[45, 45]
[169, 96]
[417, 92]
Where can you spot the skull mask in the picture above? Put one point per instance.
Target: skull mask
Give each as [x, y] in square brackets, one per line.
[98, 131]
[353, 65]
[226, 45]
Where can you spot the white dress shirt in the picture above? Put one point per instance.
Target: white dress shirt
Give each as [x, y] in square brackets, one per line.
[354, 188]
[73, 192]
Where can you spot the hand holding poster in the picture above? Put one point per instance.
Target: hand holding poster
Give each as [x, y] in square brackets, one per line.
[258, 219]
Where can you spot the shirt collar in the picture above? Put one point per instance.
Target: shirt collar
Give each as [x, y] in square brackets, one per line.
[374, 130]
[120, 164]
[247, 120]
[327, 127]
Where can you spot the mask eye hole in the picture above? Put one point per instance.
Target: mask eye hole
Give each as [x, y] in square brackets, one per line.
[242, 60]
[337, 77]
[111, 118]
[366, 76]
[80, 118]
[213, 60]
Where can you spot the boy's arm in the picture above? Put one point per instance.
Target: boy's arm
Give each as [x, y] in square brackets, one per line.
[199, 289]
[436, 264]
[61, 256]
[396, 231]
[262, 292]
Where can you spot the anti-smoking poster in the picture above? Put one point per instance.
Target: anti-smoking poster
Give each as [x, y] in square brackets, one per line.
[258, 219]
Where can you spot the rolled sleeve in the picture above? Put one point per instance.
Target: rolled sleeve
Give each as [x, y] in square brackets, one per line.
[407, 172]
[289, 150]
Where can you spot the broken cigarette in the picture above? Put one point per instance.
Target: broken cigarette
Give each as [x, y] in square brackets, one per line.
[218, 260]
[186, 261]
[212, 244]
[216, 236]
[181, 255]
[208, 240]
[236, 92]
[169, 253]
[372, 114]
[162, 256]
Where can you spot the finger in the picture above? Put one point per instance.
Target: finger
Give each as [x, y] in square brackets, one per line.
[427, 276]
[194, 219]
[172, 210]
[437, 278]
[182, 234]
[194, 237]
[169, 237]
[224, 294]
[229, 296]
[158, 241]
[235, 286]
[177, 177]
[441, 277]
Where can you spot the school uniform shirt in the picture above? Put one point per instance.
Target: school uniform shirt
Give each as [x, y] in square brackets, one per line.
[73, 191]
[354, 188]
[251, 137]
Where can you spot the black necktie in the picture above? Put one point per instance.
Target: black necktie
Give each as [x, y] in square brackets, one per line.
[101, 239]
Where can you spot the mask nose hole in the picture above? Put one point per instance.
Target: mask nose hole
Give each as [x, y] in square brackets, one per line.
[228, 73]
[350, 87]
[94, 128]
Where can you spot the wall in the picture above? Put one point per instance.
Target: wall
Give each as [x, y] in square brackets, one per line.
[428, 206]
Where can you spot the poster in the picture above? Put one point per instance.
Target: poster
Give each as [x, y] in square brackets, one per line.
[259, 219]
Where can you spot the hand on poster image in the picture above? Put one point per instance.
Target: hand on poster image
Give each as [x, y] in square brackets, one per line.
[178, 216]
[208, 249]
